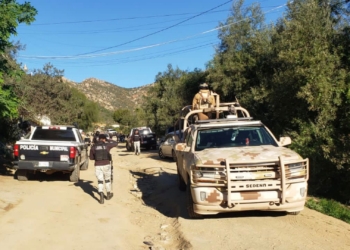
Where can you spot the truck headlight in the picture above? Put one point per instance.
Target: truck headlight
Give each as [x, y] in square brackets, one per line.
[198, 174]
[295, 166]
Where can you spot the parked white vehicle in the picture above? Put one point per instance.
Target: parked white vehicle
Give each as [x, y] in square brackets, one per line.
[167, 147]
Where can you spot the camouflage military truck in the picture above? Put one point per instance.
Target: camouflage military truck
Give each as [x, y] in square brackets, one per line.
[234, 163]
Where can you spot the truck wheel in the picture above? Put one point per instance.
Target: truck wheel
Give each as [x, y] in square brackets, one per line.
[180, 181]
[22, 175]
[190, 210]
[74, 176]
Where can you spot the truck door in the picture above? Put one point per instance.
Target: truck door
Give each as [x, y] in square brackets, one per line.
[184, 153]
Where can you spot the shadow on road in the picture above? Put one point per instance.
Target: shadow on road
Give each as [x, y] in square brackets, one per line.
[158, 189]
[42, 176]
[6, 168]
[88, 188]
[153, 154]
[123, 154]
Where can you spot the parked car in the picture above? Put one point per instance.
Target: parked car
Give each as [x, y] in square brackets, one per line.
[167, 146]
[111, 132]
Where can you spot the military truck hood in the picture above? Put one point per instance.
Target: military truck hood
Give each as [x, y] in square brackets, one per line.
[244, 155]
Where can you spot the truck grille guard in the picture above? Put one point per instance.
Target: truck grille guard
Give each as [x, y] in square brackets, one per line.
[236, 177]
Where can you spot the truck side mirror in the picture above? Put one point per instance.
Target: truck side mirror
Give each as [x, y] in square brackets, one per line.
[284, 141]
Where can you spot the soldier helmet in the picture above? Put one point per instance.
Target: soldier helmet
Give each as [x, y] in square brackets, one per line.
[203, 86]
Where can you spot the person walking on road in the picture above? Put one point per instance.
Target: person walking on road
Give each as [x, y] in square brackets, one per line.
[136, 139]
[96, 137]
[100, 153]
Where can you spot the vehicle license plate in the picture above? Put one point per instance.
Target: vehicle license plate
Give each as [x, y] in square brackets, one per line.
[144, 142]
[43, 164]
[64, 157]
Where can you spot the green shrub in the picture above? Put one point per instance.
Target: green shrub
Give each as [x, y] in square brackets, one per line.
[330, 207]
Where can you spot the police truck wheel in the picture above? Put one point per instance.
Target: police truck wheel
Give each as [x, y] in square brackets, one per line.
[22, 175]
[180, 181]
[74, 176]
[190, 209]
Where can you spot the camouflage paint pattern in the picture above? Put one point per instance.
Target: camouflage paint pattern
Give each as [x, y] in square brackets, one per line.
[216, 201]
[213, 156]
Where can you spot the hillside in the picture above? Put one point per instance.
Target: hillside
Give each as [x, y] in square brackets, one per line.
[111, 96]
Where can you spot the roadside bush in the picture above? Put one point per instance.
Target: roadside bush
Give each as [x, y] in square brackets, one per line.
[330, 207]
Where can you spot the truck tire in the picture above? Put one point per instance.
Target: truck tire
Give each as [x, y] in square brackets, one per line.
[22, 175]
[190, 209]
[180, 181]
[128, 147]
[74, 176]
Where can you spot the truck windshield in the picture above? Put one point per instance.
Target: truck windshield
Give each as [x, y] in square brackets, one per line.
[144, 131]
[233, 137]
[53, 135]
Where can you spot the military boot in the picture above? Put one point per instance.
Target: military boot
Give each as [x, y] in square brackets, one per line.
[102, 198]
[109, 195]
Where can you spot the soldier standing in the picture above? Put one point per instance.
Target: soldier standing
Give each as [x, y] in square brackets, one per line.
[203, 99]
[100, 153]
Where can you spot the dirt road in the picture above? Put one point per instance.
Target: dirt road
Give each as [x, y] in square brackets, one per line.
[146, 212]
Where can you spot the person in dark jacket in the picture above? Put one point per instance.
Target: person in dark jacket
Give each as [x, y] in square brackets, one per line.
[136, 140]
[100, 153]
[96, 137]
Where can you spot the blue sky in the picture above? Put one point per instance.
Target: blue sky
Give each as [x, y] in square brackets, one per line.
[126, 43]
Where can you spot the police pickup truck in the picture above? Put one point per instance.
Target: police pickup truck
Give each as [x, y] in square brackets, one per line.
[50, 149]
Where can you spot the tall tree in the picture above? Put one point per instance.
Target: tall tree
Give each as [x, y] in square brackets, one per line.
[11, 15]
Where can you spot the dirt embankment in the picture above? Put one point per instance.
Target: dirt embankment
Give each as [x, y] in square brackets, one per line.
[146, 212]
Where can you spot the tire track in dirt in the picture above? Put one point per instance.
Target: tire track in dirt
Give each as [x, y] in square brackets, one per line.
[152, 187]
[153, 184]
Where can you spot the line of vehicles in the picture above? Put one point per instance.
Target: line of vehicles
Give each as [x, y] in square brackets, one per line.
[226, 162]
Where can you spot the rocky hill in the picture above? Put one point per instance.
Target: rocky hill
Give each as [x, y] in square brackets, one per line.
[111, 96]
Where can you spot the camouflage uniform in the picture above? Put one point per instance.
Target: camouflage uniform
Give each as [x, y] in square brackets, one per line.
[103, 172]
[100, 152]
[203, 99]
